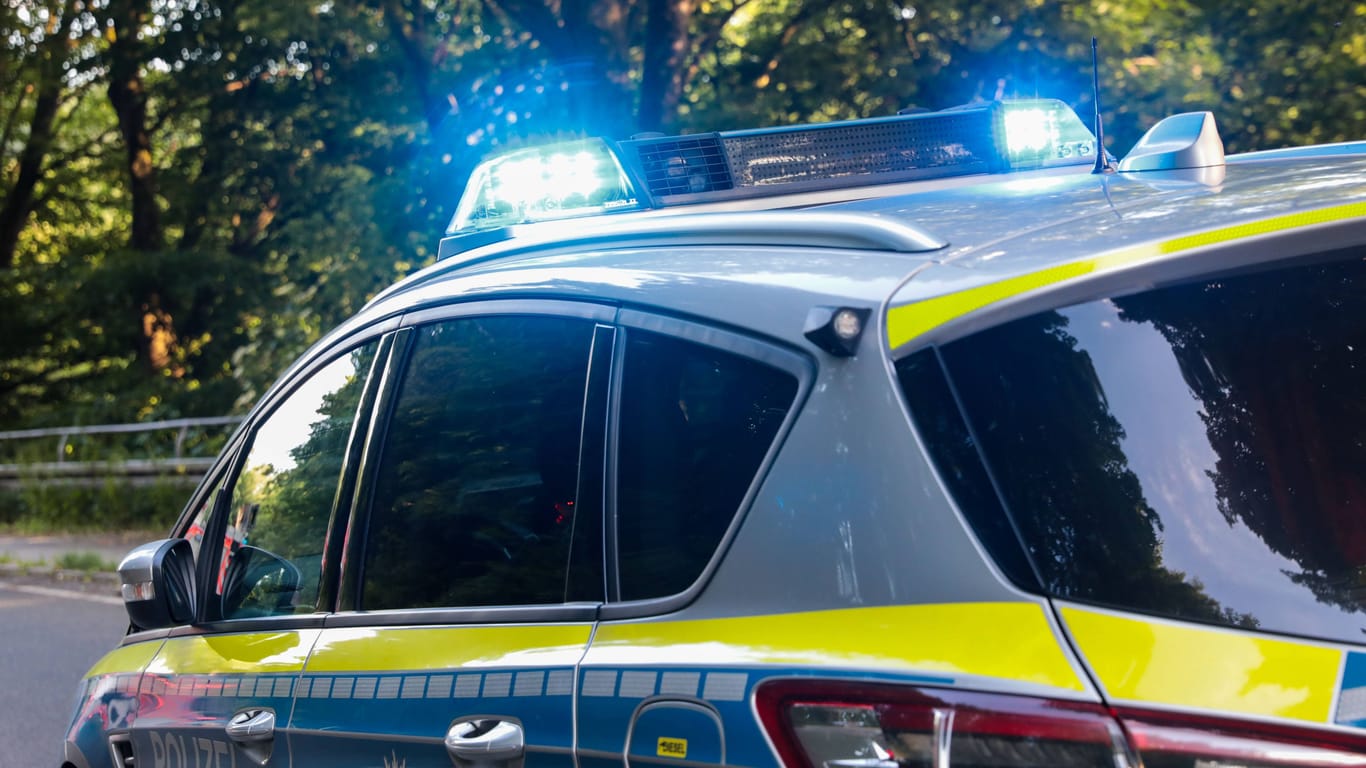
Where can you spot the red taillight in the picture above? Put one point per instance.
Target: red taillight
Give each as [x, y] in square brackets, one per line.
[820, 724]
[828, 724]
[1176, 741]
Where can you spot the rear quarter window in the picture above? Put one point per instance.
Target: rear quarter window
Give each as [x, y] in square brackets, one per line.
[1197, 451]
[695, 425]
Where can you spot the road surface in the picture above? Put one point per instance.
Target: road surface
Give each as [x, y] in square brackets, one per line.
[50, 638]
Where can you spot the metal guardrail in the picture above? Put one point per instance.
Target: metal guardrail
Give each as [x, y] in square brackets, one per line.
[177, 467]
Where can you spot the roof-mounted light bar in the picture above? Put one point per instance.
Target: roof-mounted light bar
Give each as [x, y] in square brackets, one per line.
[588, 177]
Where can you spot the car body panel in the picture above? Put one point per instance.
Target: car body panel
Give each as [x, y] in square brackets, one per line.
[1149, 661]
[393, 692]
[1012, 642]
[195, 684]
[108, 700]
[767, 290]
[850, 514]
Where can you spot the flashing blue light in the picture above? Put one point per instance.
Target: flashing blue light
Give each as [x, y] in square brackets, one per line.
[556, 181]
[1043, 131]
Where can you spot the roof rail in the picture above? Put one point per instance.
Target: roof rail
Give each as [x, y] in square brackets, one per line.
[804, 229]
[811, 229]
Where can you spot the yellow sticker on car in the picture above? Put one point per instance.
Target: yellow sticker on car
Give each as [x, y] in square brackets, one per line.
[668, 747]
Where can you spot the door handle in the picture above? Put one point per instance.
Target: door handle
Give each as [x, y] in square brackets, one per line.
[252, 726]
[485, 740]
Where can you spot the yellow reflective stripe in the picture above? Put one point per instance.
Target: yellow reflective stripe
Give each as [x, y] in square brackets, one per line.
[378, 650]
[129, 658]
[908, 321]
[1229, 671]
[246, 653]
[1011, 641]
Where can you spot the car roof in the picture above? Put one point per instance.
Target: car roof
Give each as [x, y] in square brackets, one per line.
[1012, 239]
[892, 244]
[1013, 226]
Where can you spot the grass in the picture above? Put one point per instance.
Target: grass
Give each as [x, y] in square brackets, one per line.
[83, 562]
[88, 562]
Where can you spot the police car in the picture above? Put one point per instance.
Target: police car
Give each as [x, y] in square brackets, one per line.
[929, 440]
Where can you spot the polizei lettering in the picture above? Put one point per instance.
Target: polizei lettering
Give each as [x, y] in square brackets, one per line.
[173, 750]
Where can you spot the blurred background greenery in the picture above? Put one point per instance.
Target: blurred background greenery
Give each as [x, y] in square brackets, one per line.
[195, 190]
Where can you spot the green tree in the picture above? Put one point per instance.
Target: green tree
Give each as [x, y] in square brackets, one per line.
[196, 189]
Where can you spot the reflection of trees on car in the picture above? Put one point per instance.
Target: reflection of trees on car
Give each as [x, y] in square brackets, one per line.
[1285, 414]
[285, 512]
[478, 478]
[1037, 406]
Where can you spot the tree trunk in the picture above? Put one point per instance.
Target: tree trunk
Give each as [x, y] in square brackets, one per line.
[129, 99]
[156, 336]
[665, 49]
[18, 202]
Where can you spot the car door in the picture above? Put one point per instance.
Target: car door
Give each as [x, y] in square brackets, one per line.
[473, 565]
[218, 692]
[698, 410]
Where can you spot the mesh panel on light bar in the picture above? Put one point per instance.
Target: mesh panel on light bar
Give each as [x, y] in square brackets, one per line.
[911, 147]
[685, 169]
[683, 165]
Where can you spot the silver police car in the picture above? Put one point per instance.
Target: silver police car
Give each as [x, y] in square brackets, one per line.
[937, 440]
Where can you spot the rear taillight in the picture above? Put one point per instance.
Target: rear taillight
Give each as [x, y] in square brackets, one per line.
[831, 724]
[1175, 741]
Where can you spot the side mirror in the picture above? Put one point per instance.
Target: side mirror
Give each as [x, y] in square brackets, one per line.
[158, 584]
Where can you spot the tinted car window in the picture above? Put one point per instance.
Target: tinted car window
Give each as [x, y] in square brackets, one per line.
[282, 500]
[1194, 451]
[695, 424]
[960, 466]
[476, 489]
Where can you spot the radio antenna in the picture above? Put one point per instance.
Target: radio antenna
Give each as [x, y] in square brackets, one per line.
[1102, 159]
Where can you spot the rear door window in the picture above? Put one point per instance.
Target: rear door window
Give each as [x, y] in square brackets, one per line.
[1197, 451]
[476, 490]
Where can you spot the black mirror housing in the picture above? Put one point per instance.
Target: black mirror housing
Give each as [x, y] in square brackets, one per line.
[158, 586]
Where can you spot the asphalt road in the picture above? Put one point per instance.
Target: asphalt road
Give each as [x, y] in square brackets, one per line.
[50, 638]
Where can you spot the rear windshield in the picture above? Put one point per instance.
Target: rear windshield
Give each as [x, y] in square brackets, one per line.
[1197, 451]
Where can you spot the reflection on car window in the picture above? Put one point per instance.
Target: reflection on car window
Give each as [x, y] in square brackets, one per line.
[1194, 451]
[695, 425]
[199, 524]
[476, 489]
[282, 500]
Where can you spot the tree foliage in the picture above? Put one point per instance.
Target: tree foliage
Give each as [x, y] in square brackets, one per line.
[194, 190]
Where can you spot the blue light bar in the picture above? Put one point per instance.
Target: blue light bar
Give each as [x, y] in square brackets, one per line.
[589, 177]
